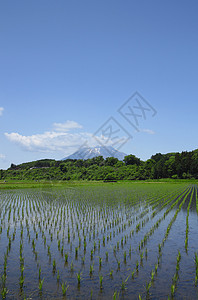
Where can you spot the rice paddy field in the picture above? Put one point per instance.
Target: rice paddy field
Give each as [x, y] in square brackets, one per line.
[105, 241]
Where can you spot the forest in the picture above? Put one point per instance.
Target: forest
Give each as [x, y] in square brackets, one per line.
[182, 165]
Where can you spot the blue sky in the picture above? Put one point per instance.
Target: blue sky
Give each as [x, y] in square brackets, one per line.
[66, 67]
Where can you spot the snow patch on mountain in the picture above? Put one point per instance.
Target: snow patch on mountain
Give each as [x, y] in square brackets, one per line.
[90, 152]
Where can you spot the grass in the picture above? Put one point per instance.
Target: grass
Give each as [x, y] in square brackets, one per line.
[20, 184]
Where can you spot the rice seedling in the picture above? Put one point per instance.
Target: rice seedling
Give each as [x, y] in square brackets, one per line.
[33, 244]
[115, 295]
[59, 245]
[91, 269]
[79, 277]
[22, 270]
[141, 258]
[178, 257]
[160, 248]
[100, 279]
[196, 260]
[21, 281]
[187, 222]
[100, 261]
[118, 245]
[41, 284]
[54, 265]
[85, 246]
[133, 274]
[123, 284]
[137, 266]
[172, 290]
[152, 275]
[76, 252]
[64, 287]
[196, 268]
[91, 254]
[196, 199]
[107, 255]
[66, 257]
[156, 267]
[111, 273]
[72, 266]
[58, 276]
[148, 286]
[4, 292]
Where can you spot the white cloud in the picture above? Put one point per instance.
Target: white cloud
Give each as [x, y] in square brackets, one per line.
[49, 141]
[149, 131]
[2, 156]
[1, 111]
[67, 126]
[61, 139]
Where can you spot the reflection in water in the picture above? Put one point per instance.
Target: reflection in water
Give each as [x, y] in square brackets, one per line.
[98, 241]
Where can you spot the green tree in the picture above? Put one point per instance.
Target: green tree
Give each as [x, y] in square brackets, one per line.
[132, 160]
[111, 161]
[63, 167]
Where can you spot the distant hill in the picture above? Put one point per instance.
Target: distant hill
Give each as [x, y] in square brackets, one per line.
[91, 152]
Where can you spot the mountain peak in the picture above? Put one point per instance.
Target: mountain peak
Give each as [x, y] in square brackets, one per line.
[90, 152]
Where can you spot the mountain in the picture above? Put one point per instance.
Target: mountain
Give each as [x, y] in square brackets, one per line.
[90, 152]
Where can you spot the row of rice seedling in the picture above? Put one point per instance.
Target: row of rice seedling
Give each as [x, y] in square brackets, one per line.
[137, 264]
[175, 277]
[121, 241]
[187, 222]
[5, 211]
[4, 289]
[196, 268]
[168, 195]
[175, 216]
[170, 199]
[146, 237]
[34, 209]
[33, 240]
[83, 233]
[161, 245]
[196, 198]
[167, 199]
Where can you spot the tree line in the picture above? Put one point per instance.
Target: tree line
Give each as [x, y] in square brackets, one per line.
[182, 165]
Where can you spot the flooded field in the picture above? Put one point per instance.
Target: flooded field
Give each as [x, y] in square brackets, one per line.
[107, 241]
